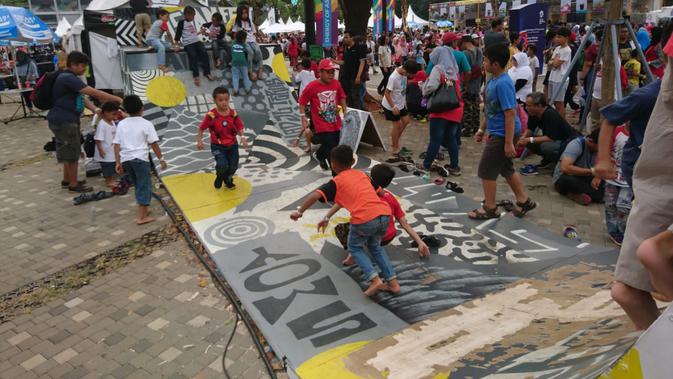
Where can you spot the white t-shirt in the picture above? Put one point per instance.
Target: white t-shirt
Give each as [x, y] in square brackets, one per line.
[564, 54]
[134, 135]
[534, 64]
[105, 133]
[249, 28]
[397, 85]
[385, 60]
[303, 78]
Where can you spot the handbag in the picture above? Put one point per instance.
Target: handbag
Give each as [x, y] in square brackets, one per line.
[445, 98]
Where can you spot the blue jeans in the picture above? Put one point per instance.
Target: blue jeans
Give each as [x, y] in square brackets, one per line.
[254, 56]
[226, 160]
[617, 208]
[442, 133]
[370, 234]
[138, 171]
[238, 73]
[196, 53]
[160, 46]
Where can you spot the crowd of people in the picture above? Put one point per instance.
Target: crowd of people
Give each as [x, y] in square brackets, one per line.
[463, 83]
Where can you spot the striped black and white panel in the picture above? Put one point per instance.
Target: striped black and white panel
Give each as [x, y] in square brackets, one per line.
[139, 80]
[156, 115]
[125, 30]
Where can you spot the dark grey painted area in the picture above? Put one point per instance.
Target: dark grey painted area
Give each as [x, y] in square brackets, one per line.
[302, 303]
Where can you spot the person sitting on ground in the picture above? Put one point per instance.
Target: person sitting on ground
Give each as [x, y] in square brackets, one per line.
[239, 64]
[188, 34]
[105, 132]
[243, 22]
[548, 133]
[574, 175]
[216, 30]
[154, 38]
[370, 217]
[324, 96]
[382, 175]
[224, 126]
[130, 144]
[503, 127]
[395, 102]
[68, 93]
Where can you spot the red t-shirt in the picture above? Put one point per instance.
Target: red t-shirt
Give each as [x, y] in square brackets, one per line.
[324, 100]
[420, 76]
[223, 128]
[398, 213]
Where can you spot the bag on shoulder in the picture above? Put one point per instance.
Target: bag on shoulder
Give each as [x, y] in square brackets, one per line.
[42, 93]
[445, 98]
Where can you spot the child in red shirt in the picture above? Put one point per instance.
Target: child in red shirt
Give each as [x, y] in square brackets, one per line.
[382, 175]
[223, 124]
[370, 217]
[324, 95]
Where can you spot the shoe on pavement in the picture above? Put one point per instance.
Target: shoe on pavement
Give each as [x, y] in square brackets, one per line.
[528, 170]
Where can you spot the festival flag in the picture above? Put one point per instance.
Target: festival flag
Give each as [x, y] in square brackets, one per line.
[327, 27]
[452, 12]
[565, 6]
[377, 12]
[271, 16]
[461, 12]
[390, 14]
[489, 10]
[581, 6]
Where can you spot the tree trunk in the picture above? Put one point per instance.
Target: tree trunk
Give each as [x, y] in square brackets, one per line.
[356, 14]
[405, 11]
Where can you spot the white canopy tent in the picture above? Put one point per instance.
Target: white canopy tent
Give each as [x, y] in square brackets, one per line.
[72, 39]
[63, 27]
[413, 17]
[398, 21]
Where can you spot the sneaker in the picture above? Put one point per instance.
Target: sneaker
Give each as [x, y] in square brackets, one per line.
[406, 152]
[580, 198]
[454, 171]
[323, 163]
[616, 239]
[570, 232]
[528, 170]
[218, 182]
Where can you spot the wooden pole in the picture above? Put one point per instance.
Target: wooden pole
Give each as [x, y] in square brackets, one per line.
[607, 66]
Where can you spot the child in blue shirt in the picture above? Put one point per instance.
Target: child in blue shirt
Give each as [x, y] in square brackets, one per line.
[503, 127]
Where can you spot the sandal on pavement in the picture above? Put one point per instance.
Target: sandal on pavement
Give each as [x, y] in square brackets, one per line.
[484, 213]
[67, 184]
[524, 208]
[454, 187]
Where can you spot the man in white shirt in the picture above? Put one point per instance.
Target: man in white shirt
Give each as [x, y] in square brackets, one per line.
[395, 102]
[560, 64]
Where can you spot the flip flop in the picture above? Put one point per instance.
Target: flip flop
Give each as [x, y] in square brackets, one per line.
[439, 181]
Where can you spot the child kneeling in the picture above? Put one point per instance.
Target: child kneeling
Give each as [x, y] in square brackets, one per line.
[133, 135]
[223, 124]
[370, 217]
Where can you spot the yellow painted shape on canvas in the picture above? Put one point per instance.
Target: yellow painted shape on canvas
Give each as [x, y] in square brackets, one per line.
[329, 364]
[166, 91]
[199, 199]
[627, 367]
[280, 68]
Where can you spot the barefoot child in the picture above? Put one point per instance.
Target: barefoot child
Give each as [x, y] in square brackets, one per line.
[370, 217]
[105, 133]
[155, 38]
[503, 127]
[382, 175]
[223, 124]
[130, 143]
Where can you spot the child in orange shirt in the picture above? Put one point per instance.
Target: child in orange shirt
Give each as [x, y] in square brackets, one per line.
[370, 216]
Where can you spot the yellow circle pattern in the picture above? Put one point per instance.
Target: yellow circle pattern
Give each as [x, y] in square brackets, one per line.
[166, 91]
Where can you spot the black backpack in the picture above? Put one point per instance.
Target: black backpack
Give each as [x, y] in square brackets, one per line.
[42, 94]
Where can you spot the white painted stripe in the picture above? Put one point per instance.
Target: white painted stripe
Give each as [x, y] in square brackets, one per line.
[503, 236]
[546, 249]
[440, 200]
[582, 245]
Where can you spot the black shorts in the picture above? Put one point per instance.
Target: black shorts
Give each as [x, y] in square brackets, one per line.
[391, 117]
[493, 160]
[108, 169]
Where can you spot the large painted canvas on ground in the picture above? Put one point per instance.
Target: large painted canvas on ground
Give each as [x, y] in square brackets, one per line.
[502, 298]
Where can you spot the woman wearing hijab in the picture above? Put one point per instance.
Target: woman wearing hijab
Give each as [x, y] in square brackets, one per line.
[654, 53]
[522, 77]
[243, 22]
[444, 126]
[643, 38]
